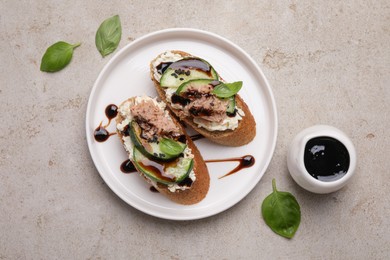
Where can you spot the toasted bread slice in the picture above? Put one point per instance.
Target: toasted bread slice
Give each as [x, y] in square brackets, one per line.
[243, 134]
[199, 187]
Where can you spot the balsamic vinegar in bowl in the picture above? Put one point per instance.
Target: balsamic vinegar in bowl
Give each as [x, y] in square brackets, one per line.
[326, 159]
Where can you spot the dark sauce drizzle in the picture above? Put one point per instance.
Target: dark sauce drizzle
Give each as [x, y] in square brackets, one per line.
[191, 63]
[111, 112]
[101, 134]
[176, 99]
[196, 137]
[128, 167]
[158, 168]
[162, 67]
[153, 189]
[244, 162]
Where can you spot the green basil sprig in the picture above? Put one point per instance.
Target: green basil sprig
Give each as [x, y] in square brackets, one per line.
[281, 212]
[108, 35]
[225, 90]
[57, 56]
[171, 147]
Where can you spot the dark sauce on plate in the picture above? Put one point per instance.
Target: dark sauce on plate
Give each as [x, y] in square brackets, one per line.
[196, 137]
[128, 167]
[153, 189]
[111, 112]
[101, 134]
[244, 162]
[326, 159]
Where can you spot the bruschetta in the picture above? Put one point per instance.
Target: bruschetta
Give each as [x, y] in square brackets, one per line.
[198, 96]
[161, 151]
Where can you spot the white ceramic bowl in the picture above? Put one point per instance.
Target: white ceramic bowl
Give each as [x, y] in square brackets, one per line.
[295, 159]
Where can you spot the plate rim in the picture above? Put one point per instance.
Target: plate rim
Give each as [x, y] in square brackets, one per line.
[206, 35]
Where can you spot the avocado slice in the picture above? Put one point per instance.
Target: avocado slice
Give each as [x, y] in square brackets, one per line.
[152, 150]
[185, 70]
[163, 172]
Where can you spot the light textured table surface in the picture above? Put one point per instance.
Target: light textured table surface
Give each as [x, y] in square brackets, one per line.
[327, 63]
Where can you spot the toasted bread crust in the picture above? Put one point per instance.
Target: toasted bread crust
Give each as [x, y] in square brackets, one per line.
[199, 187]
[243, 134]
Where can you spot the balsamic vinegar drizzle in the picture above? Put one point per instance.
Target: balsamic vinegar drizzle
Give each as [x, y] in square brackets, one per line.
[244, 162]
[196, 137]
[101, 134]
[153, 189]
[111, 112]
[128, 167]
[163, 66]
[191, 63]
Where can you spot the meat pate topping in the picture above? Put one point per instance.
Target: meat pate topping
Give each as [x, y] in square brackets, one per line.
[203, 104]
[153, 121]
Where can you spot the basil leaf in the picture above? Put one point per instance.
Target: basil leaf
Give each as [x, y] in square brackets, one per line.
[171, 147]
[57, 56]
[225, 90]
[108, 35]
[281, 212]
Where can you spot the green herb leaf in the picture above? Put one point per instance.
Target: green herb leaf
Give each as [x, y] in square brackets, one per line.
[171, 147]
[57, 56]
[225, 90]
[281, 212]
[108, 35]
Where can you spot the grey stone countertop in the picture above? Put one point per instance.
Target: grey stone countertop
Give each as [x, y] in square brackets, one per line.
[328, 62]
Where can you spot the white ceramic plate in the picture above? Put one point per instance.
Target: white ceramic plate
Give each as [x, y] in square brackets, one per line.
[127, 75]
